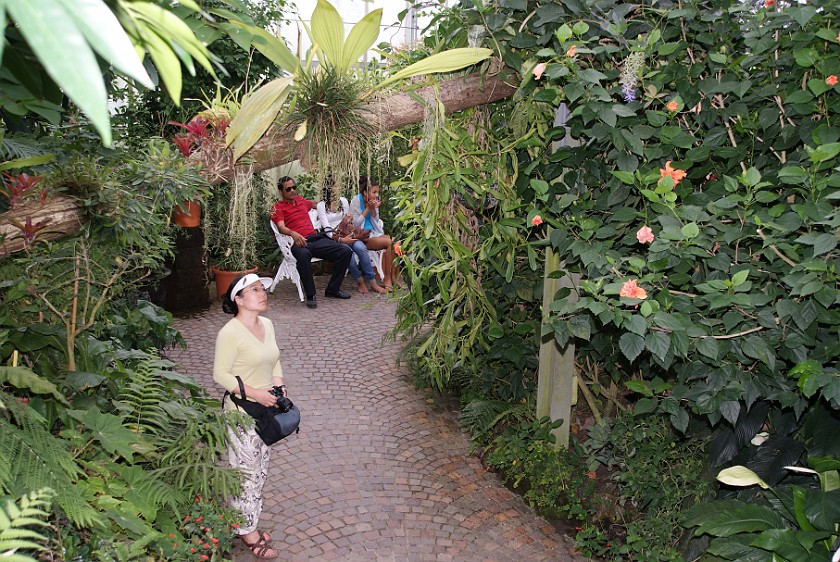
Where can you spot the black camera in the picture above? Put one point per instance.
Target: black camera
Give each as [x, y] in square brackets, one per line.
[283, 403]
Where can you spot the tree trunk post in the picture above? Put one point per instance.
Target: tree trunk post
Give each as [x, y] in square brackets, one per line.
[556, 381]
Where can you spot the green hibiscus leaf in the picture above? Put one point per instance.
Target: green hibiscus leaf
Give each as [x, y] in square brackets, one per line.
[631, 345]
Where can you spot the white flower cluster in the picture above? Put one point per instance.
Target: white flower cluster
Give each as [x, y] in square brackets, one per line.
[633, 65]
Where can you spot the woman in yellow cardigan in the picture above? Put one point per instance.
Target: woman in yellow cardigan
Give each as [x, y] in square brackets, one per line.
[246, 347]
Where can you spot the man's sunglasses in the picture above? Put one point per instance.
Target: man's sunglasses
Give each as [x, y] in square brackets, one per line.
[288, 188]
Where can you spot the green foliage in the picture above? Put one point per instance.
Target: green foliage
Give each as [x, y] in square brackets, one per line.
[207, 530]
[127, 450]
[655, 476]
[794, 516]
[554, 481]
[462, 231]
[16, 521]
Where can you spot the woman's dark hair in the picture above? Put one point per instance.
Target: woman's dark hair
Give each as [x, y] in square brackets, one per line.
[365, 182]
[228, 304]
[327, 192]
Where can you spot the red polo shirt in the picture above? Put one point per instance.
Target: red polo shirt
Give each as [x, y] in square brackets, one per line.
[295, 215]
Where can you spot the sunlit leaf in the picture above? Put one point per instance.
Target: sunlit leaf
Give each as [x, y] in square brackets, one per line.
[107, 37]
[257, 113]
[447, 61]
[361, 38]
[327, 31]
[63, 50]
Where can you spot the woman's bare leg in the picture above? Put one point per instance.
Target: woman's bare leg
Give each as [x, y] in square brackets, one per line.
[384, 243]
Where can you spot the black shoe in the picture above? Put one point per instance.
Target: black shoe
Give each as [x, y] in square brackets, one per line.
[339, 294]
[310, 302]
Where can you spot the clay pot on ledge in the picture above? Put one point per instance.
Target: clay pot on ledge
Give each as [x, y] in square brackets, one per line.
[224, 278]
[189, 217]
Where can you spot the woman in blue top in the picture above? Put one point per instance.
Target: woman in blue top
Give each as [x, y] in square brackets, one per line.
[365, 210]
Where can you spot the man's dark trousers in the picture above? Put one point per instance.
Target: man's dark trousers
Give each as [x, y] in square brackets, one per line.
[321, 246]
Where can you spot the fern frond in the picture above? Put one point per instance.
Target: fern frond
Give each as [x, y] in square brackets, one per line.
[140, 400]
[15, 518]
[37, 459]
[481, 417]
[196, 455]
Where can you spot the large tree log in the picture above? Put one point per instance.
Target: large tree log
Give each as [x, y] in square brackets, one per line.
[56, 218]
[387, 114]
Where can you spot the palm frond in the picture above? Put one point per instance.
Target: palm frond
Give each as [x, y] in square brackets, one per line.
[13, 149]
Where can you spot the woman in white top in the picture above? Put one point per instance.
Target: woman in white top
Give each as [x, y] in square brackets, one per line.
[329, 217]
[246, 347]
[365, 210]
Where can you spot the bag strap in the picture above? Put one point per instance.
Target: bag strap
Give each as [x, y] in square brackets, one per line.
[253, 409]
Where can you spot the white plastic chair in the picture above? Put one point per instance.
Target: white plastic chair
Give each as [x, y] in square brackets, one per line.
[288, 267]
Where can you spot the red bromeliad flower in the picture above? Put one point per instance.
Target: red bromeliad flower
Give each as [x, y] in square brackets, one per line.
[15, 187]
[184, 144]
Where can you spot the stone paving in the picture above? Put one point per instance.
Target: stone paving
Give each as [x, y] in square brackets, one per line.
[380, 471]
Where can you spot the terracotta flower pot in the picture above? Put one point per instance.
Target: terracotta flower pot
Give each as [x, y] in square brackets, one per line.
[190, 218]
[224, 278]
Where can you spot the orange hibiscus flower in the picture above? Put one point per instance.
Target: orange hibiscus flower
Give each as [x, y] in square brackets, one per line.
[632, 291]
[676, 175]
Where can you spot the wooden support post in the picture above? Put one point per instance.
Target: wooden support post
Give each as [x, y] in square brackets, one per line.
[556, 383]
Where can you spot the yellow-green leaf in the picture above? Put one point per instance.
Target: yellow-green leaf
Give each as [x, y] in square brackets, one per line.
[741, 476]
[300, 133]
[107, 37]
[257, 113]
[447, 61]
[68, 59]
[327, 31]
[361, 38]
[165, 61]
[273, 48]
[173, 29]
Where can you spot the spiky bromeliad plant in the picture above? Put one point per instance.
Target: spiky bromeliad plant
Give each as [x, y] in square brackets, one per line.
[326, 101]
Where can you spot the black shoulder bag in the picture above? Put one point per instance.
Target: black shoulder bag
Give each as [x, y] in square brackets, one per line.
[274, 423]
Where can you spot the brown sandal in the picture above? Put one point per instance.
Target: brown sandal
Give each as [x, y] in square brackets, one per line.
[260, 548]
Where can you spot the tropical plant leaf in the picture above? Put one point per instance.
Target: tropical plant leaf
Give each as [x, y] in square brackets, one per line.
[174, 31]
[22, 377]
[17, 520]
[26, 162]
[107, 37]
[35, 459]
[63, 50]
[165, 60]
[273, 48]
[740, 476]
[738, 518]
[327, 33]
[108, 430]
[361, 38]
[257, 113]
[447, 61]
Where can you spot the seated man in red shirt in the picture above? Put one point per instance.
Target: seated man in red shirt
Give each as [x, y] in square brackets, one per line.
[292, 218]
